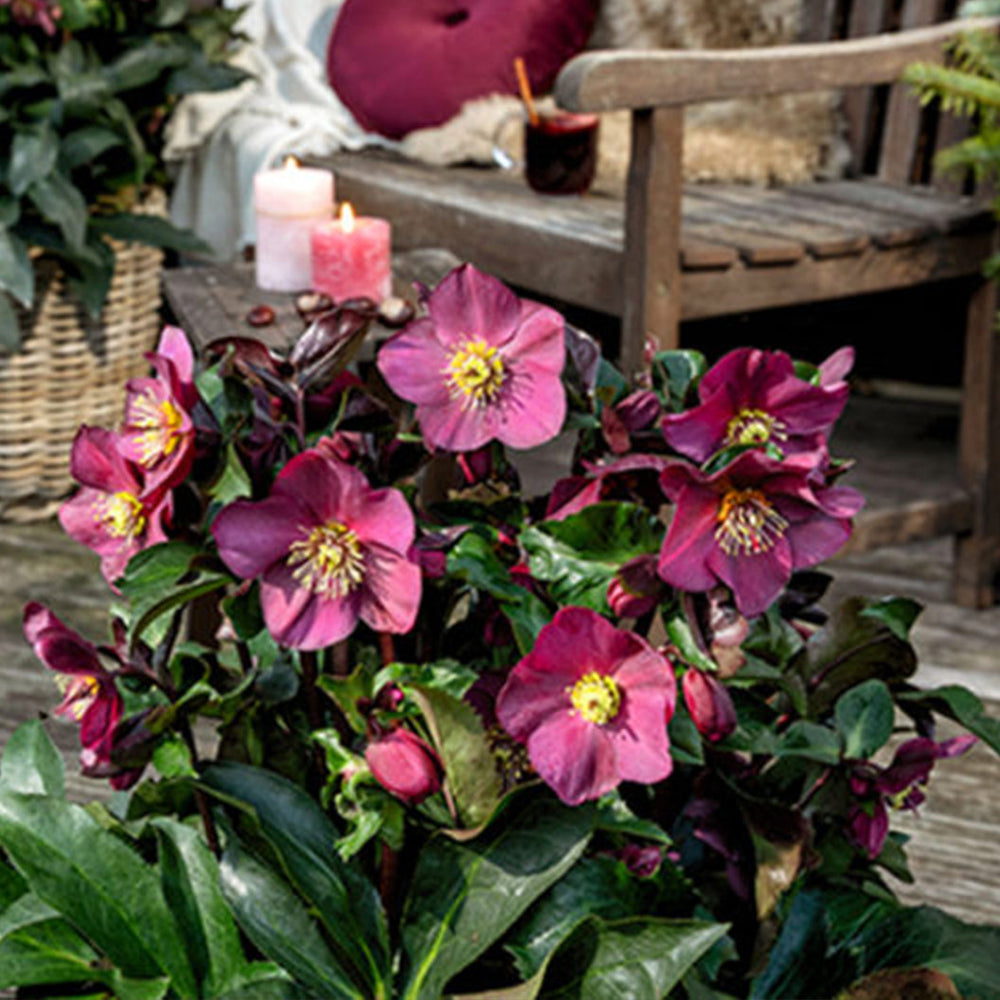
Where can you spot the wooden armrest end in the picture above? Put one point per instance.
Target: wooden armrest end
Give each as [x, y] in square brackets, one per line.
[605, 80]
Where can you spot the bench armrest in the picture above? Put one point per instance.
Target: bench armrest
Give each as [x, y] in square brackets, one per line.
[605, 80]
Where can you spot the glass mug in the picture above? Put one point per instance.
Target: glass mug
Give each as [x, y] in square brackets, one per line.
[560, 152]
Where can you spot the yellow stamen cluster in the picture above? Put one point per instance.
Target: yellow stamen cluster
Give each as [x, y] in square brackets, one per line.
[748, 524]
[475, 373]
[329, 561]
[79, 691]
[596, 697]
[754, 427]
[120, 514]
[159, 423]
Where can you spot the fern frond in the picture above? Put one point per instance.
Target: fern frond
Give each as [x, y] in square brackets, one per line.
[980, 154]
[977, 52]
[959, 93]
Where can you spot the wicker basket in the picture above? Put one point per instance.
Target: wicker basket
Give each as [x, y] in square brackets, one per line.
[72, 370]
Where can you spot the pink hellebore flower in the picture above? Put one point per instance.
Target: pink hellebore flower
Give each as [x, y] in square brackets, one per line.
[116, 513]
[632, 477]
[709, 704]
[483, 366]
[159, 434]
[591, 703]
[750, 526]
[90, 697]
[328, 550]
[754, 397]
[899, 786]
[30, 13]
[404, 765]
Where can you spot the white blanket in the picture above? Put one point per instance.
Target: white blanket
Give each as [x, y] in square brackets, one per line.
[217, 142]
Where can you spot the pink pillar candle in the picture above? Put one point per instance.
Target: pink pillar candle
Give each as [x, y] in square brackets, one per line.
[351, 257]
[288, 203]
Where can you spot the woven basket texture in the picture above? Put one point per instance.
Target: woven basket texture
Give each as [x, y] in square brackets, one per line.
[72, 370]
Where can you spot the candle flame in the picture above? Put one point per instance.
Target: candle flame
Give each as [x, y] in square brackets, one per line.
[291, 163]
[347, 217]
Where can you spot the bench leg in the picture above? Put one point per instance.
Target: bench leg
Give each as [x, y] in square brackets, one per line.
[977, 554]
[651, 264]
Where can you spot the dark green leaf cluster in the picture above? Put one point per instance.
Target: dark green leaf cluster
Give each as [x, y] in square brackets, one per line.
[82, 116]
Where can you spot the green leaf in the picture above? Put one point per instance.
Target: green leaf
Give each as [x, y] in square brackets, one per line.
[614, 816]
[675, 373]
[32, 155]
[189, 875]
[10, 328]
[305, 840]
[850, 648]
[61, 203]
[864, 717]
[172, 758]
[98, 883]
[17, 276]
[86, 144]
[142, 62]
[232, 482]
[580, 555]
[279, 924]
[164, 577]
[961, 705]
[897, 614]
[460, 740]
[811, 741]
[465, 895]
[31, 763]
[39, 948]
[200, 75]
[593, 887]
[473, 559]
[642, 958]
[91, 270]
[12, 886]
[679, 630]
[149, 229]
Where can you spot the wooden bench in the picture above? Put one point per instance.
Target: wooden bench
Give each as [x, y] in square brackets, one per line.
[672, 252]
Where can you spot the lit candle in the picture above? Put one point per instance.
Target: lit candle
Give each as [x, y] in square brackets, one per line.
[351, 257]
[288, 202]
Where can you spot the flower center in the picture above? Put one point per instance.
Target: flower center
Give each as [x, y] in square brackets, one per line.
[754, 427]
[79, 693]
[120, 514]
[159, 426]
[329, 562]
[476, 372]
[747, 523]
[596, 697]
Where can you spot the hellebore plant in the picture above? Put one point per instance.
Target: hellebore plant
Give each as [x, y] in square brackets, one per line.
[384, 725]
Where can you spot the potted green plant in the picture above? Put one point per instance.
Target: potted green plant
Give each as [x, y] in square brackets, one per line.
[472, 741]
[86, 88]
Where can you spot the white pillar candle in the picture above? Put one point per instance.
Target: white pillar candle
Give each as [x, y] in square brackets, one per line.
[289, 203]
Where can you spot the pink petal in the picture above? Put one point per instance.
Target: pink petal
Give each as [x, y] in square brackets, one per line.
[532, 411]
[755, 580]
[253, 535]
[816, 539]
[532, 696]
[690, 541]
[469, 304]
[96, 461]
[390, 596]
[452, 428]
[836, 367]
[414, 364]
[805, 408]
[639, 732]
[746, 374]
[301, 620]
[174, 346]
[381, 516]
[540, 339]
[574, 758]
[101, 716]
[701, 431]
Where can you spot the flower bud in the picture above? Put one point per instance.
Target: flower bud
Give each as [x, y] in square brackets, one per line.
[404, 765]
[636, 588]
[709, 703]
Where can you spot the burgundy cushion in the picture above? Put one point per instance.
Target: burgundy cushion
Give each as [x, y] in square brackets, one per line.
[400, 65]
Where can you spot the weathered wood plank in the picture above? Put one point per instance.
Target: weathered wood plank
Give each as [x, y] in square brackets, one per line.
[769, 212]
[946, 215]
[867, 18]
[651, 277]
[601, 81]
[951, 130]
[902, 135]
[818, 18]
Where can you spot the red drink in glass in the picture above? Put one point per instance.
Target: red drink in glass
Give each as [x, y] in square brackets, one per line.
[560, 153]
